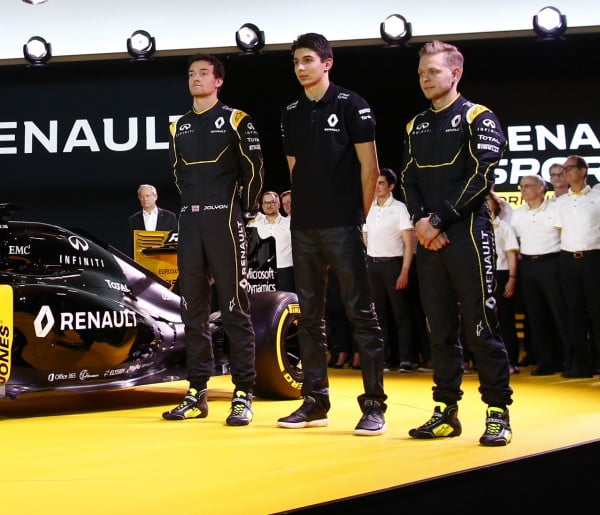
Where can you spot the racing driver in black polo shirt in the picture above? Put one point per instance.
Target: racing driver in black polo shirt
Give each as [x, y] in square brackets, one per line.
[329, 142]
[450, 154]
[216, 156]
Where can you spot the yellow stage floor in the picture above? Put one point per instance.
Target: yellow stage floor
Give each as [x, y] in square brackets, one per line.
[110, 452]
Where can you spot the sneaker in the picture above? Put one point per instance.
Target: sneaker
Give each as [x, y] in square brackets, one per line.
[426, 367]
[193, 405]
[241, 409]
[497, 428]
[443, 422]
[372, 422]
[407, 366]
[311, 413]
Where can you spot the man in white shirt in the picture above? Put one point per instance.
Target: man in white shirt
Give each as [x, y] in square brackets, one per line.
[389, 235]
[277, 226]
[578, 218]
[534, 224]
[557, 178]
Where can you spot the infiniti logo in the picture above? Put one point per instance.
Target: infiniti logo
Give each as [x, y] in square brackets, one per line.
[185, 126]
[489, 123]
[78, 243]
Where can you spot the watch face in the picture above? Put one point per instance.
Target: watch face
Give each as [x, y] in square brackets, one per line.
[435, 221]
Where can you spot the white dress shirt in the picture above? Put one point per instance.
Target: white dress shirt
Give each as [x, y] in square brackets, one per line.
[384, 226]
[506, 241]
[536, 228]
[150, 219]
[280, 230]
[578, 217]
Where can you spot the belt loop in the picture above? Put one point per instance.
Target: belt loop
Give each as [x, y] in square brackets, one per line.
[578, 254]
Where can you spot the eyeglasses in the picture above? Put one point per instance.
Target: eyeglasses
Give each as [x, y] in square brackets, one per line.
[525, 186]
[557, 174]
[269, 203]
[568, 167]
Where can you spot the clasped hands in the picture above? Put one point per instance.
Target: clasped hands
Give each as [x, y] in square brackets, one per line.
[429, 237]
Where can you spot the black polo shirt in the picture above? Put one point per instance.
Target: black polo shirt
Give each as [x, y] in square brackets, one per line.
[326, 184]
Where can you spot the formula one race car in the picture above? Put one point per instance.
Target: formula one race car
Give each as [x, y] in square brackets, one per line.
[77, 314]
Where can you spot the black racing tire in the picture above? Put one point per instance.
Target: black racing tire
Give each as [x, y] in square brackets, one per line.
[275, 319]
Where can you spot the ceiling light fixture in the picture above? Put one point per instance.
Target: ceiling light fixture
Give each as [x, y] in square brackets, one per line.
[37, 51]
[250, 39]
[395, 30]
[549, 24]
[141, 45]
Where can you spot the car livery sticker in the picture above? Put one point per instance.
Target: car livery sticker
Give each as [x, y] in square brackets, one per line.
[290, 309]
[6, 332]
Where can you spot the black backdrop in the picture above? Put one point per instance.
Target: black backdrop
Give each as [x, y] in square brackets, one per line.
[77, 180]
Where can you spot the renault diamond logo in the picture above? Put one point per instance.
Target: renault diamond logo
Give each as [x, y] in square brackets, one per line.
[332, 120]
[44, 321]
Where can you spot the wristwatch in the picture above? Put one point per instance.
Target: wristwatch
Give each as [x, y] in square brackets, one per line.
[434, 221]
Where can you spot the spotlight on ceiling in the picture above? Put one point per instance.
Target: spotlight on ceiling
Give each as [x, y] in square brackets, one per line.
[250, 39]
[141, 45]
[549, 24]
[35, 2]
[395, 30]
[37, 51]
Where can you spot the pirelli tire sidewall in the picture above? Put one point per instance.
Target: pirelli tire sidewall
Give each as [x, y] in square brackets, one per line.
[275, 317]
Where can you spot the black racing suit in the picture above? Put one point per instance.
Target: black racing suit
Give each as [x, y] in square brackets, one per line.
[449, 160]
[218, 165]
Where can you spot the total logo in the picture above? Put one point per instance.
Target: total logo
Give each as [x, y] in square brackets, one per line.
[81, 320]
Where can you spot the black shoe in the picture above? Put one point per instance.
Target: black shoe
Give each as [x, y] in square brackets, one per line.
[443, 422]
[497, 428]
[406, 367]
[241, 409]
[312, 413]
[574, 373]
[542, 371]
[526, 361]
[372, 422]
[193, 405]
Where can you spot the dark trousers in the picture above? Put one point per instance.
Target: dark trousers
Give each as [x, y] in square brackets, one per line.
[462, 275]
[545, 310]
[506, 316]
[285, 279]
[342, 249]
[580, 277]
[393, 308]
[212, 245]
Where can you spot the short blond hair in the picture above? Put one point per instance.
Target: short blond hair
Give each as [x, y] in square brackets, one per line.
[452, 55]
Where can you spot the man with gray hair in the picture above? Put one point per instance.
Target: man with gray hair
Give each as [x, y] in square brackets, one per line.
[545, 309]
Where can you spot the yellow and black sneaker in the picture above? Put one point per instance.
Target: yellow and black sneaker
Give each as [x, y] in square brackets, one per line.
[497, 428]
[241, 409]
[443, 422]
[193, 405]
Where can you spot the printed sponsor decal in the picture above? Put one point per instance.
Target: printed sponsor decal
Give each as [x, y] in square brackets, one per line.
[81, 320]
[6, 331]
